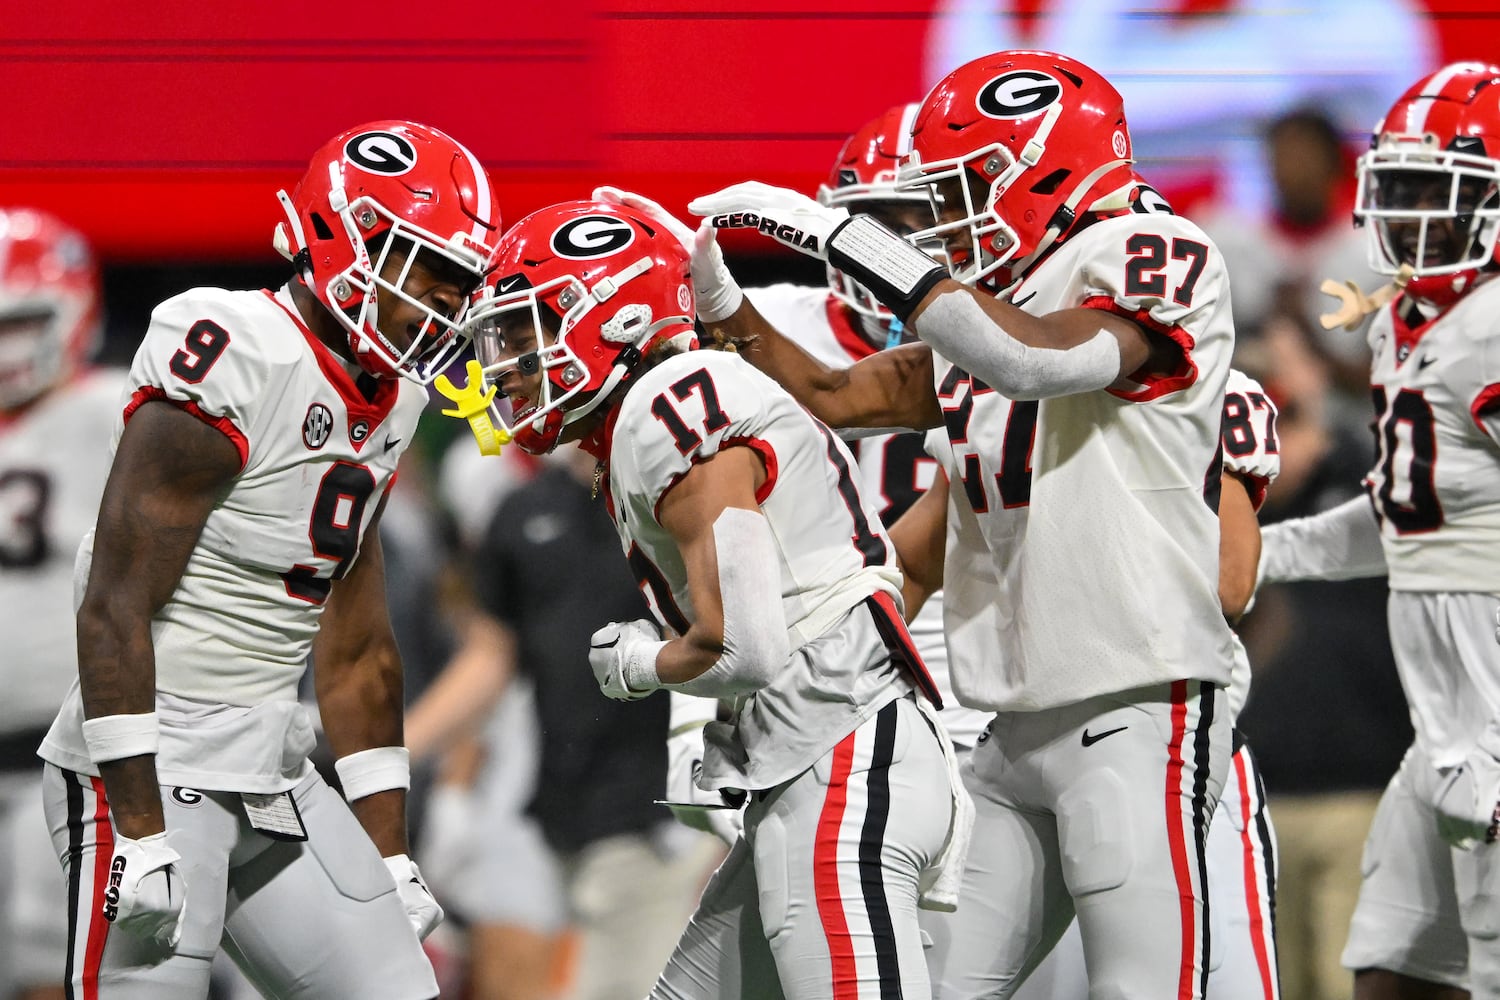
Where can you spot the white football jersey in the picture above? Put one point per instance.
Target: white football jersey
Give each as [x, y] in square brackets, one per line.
[1253, 452]
[894, 469]
[834, 552]
[1436, 480]
[1084, 557]
[54, 459]
[317, 460]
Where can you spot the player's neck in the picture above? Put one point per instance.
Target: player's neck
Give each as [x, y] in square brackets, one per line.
[322, 324]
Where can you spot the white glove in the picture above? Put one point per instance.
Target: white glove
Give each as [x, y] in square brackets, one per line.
[623, 655]
[789, 217]
[1467, 800]
[421, 909]
[684, 763]
[146, 890]
[717, 292]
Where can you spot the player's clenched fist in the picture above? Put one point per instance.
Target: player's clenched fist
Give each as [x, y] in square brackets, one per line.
[146, 889]
[1468, 796]
[623, 655]
[421, 909]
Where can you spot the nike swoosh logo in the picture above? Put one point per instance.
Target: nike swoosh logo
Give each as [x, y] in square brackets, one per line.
[1018, 303]
[606, 645]
[508, 284]
[391, 443]
[1089, 741]
[1427, 359]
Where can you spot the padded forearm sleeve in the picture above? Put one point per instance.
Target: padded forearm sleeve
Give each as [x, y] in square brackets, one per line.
[960, 330]
[1341, 543]
[756, 647]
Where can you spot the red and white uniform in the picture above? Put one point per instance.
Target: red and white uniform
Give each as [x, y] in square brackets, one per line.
[894, 469]
[1081, 599]
[230, 647]
[829, 870]
[54, 459]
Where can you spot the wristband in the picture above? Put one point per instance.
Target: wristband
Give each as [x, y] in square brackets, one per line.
[894, 271]
[375, 770]
[639, 669]
[115, 737]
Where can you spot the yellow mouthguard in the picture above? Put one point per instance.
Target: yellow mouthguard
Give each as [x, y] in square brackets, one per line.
[472, 403]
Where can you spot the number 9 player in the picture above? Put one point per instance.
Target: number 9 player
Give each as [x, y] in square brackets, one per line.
[237, 535]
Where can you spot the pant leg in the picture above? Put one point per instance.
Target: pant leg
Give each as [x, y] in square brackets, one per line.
[322, 918]
[1407, 919]
[112, 964]
[1242, 889]
[1013, 904]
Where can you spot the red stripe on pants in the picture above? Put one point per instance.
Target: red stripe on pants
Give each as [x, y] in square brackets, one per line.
[1252, 884]
[826, 875]
[1177, 840]
[104, 852]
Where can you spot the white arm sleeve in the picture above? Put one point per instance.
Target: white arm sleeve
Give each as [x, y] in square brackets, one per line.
[960, 330]
[756, 647]
[1341, 543]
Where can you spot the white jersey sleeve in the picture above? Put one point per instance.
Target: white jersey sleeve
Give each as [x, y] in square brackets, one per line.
[1251, 449]
[1164, 274]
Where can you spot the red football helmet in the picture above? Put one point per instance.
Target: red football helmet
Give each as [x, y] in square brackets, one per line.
[383, 187]
[49, 304]
[1435, 158]
[1033, 140]
[579, 292]
[864, 177]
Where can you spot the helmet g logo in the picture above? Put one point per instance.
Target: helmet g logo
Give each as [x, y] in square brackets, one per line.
[381, 153]
[592, 236]
[1018, 93]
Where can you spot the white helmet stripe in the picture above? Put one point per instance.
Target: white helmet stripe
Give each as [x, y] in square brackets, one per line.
[483, 207]
[1434, 88]
[908, 121]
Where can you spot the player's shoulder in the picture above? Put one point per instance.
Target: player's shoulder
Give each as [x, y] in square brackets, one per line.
[725, 367]
[1477, 314]
[1243, 384]
[1107, 235]
[255, 323]
[1150, 262]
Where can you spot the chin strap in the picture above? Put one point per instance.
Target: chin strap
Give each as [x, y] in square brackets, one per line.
[1354, 304]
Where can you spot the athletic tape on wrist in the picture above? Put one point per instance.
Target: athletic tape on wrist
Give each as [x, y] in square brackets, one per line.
[115, 737]
[895, 272]
[378, 769]
[639, 669]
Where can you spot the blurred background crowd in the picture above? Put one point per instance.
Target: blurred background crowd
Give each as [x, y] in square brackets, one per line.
[162, 138]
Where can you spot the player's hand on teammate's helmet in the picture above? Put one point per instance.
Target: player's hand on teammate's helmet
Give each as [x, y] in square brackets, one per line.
[1468, 795]
[717, 292]
[421, 909]
[789, 217]
[146, 892]
[624, 651]
[684, 762]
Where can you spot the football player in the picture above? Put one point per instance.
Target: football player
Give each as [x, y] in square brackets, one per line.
[238, 534]
[1429, 198]
[55, 413]
[1076, 351]
[777, 588]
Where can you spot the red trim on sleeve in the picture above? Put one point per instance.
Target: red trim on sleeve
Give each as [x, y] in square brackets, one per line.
[151, 393]
[1153, 385]
[1255, 486]
[1487, 401]
[760, 446]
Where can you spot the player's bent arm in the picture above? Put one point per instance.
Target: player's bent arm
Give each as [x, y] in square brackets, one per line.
[357, 679]
[1239, 546]
[891, 388]
[1036, 357]
[456, 704]
[169, 472]
[1342, 543]
[738, 640]
[920, 537]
